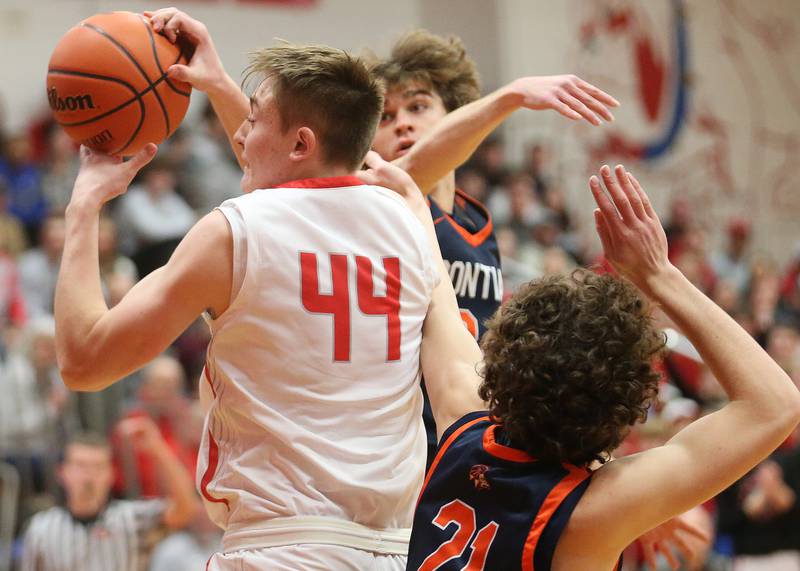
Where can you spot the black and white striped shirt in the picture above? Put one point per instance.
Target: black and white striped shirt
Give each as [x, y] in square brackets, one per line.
[122, 538]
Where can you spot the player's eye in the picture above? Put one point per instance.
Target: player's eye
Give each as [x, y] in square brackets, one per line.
[386, 117]
[418, 107]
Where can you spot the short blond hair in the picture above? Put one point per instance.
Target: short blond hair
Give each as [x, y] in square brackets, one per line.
[441, 63]
[328, 89]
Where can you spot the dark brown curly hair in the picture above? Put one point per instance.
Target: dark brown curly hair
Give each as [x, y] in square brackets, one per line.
[567, 366]
[441, 63]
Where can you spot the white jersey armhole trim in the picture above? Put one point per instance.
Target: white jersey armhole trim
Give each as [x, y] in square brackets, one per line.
[235, 220]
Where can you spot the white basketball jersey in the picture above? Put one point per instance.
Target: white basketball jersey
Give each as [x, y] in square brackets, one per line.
[313, 371]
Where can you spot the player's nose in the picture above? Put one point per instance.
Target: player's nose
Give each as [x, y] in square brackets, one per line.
[403, 124]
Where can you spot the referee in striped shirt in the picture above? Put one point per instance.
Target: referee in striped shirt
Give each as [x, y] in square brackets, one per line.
[90, 532]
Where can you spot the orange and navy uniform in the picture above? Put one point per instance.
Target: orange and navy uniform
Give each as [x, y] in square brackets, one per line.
[469, 250]
[488, 505]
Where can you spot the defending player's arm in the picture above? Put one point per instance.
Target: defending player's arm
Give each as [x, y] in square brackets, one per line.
[96, 345]
[450, 355]
[633, 494]
[205, 70]
[456, 137]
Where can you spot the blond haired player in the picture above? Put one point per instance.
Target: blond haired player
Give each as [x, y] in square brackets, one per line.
[316, 287]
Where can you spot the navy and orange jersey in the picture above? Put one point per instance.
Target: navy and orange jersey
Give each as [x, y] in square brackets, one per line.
[486, 505]
[469, 249]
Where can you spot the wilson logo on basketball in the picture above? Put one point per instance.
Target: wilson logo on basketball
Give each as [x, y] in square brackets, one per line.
[70, 103]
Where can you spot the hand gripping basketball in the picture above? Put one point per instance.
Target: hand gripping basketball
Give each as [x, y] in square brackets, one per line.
[108, 87]
[102, 177]
[204, 70]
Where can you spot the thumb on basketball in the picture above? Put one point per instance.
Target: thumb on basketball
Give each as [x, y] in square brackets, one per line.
[180, 72]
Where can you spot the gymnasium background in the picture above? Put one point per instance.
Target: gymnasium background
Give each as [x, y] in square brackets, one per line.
[710, 123]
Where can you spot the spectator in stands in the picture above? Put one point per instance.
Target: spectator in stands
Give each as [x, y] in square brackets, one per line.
[678, 223]
[60, 167]
[490, 159]
[517, 207]
[732, 264]
[161, 398]
[215, 172]
[783, 345]
[12, 303]
[789, 306]
[91, 532]
[472, 182]
[153, 216]
[32, 405]
[113, 264]
[536, 165]
[38, 267]
[25, 198]
[760, 515]
[12, 234]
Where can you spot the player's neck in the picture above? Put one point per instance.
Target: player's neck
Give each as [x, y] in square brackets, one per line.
[326, 171]
[444, 192]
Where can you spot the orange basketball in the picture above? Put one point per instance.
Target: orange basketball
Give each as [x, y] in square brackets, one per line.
[107, 84]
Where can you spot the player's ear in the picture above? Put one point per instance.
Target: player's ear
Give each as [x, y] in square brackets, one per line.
[305, 145]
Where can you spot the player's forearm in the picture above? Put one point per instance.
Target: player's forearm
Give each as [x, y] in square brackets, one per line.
[180, 487]
[457, 136]
[741, 366]
[231, 106]
[79, 302]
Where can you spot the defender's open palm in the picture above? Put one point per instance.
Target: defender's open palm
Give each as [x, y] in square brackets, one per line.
[633, 238]
[569, 95]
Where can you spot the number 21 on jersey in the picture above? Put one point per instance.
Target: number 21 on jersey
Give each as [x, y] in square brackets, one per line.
[337, 303]
[463, 516]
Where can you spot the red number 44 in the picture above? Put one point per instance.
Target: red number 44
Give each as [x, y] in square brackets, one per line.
[463, 516]
[337, 303]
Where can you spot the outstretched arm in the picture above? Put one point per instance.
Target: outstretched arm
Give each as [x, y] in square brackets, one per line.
[456, 137]
[633, 494]
[450, 355]
[96, 345]
[205, 71]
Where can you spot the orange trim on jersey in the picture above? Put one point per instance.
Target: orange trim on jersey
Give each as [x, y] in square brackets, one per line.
[481, 235]
[443, 448]
[549, 506]
[207, 375]
[211, 469]
[326, 182]
[502, 451]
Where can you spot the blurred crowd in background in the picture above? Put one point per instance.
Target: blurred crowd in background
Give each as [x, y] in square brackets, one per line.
[195, 171]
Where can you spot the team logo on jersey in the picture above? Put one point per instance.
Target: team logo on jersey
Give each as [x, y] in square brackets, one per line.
[477, 475]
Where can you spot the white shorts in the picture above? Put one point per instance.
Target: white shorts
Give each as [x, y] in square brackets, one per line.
[305, 557]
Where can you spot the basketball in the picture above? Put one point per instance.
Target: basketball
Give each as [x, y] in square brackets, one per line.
[107, 84]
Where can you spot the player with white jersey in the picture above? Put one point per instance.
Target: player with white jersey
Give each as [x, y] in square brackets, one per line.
[320, 349]
[317, 287]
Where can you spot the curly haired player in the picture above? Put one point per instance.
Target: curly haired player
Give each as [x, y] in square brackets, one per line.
[566, 372]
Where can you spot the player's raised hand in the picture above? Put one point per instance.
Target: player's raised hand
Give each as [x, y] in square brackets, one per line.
[102, 177]
[569, 95]
[205, 70]
[633, 238]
